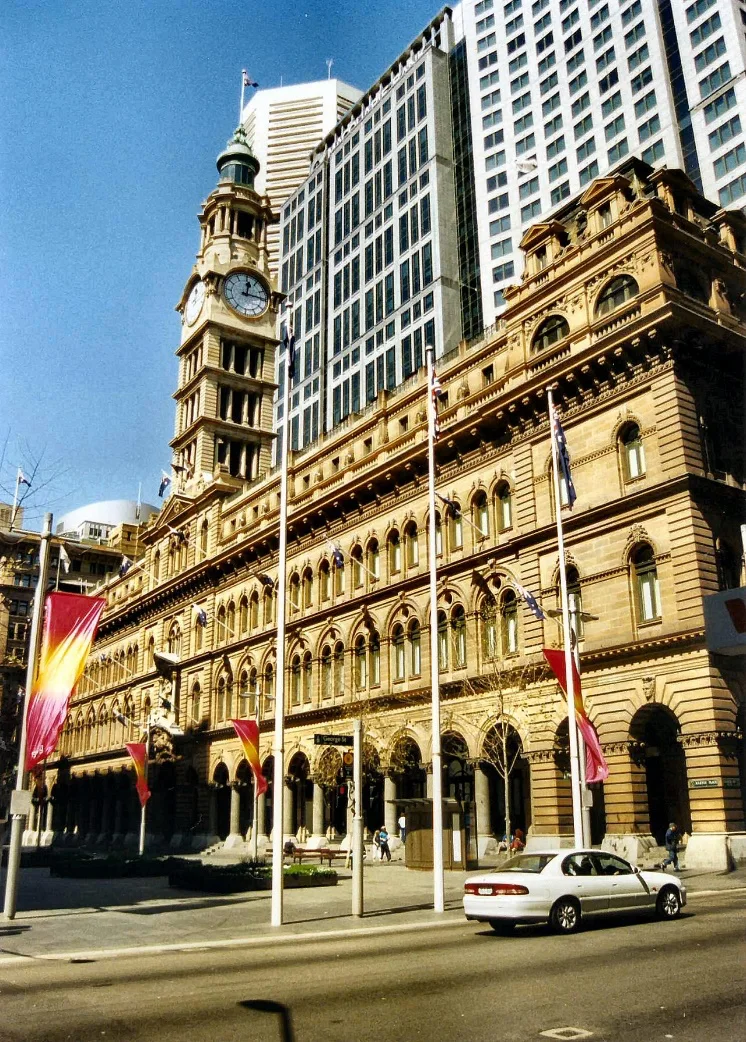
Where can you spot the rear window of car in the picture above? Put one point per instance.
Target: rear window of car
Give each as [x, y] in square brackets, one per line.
[527, 863]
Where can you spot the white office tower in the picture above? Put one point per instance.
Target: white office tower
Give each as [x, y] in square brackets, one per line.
[370, 258]
[563, 90]
[283, 126]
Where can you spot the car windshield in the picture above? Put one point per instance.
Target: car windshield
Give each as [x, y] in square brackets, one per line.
[527, 863]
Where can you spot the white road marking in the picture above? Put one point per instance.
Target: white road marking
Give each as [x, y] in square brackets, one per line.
[566, 1033]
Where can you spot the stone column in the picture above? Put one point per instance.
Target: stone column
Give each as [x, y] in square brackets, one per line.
[485, 840]
[714, 791]
[626, 801]
[287, 812]
[212, 814]
[389, 806]
[551, 803]
[234, 839]
[318, 835]
[261, 814]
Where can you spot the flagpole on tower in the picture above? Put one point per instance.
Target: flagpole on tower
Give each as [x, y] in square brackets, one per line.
[278, 751]
[577, 808]
[438, 878]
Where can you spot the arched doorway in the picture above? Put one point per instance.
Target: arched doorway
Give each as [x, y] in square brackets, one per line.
[502, 758]
[245, 789]
[408, 770]
[329, 776]
[302, 792]
[220, 781]
[373, 795]
[655, 730]
[458, 773]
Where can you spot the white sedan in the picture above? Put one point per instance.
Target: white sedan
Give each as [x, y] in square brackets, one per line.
[565, 886]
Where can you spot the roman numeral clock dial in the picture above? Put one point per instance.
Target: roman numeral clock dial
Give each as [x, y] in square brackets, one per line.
[245, 294]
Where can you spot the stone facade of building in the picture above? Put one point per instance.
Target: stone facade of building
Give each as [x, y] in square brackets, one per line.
[632, 308]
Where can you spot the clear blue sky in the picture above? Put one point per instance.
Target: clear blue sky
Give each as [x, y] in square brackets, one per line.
[112, 116]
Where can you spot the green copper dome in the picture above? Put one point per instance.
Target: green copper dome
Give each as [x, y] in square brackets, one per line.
[237, 163]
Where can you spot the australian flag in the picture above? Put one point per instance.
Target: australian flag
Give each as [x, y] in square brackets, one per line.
[165, 482]
[125, 566]
[266, 580]
[452, 506]
[289, 344]
[201, 615]
[338, 557]
[531, 601]
[564, 458]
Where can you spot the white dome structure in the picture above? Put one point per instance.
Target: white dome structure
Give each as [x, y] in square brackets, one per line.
[96, 520]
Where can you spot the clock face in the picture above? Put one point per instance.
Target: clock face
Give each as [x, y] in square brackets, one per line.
[245, 294]
[194, 302]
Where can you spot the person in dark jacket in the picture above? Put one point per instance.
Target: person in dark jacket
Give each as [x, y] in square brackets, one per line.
[383, 842]
[672, 847]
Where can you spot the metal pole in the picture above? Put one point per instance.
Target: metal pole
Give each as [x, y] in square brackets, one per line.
[577, 809]
[255, 816]
[357, 821]
[584, 790]
[438, 879]
[16, 829]
[15, 502]
[278, 749]
[144, 805]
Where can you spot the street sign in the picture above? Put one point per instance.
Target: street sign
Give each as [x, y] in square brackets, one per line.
[333, 739]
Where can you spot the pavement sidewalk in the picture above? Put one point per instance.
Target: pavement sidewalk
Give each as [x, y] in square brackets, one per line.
[72, 919]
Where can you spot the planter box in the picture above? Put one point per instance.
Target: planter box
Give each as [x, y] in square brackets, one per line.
[222, 882]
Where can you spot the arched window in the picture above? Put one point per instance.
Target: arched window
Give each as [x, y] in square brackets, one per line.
[551, 331]
[361, 669]
[174, 640]
[509, 623]
[198, 634]
[243, 692]
[575, 601]
[326, 672]
[616, 293]
[253, 692]
[325, 581]
[308, 588]
[411, 545]
[438, 534]
[394, 547]
[195, 707]
[442, 640]
[458, 633]
[633, 453]
[415, 648]
[203, 533]
[399, 653]
[480, 509]
[374, 658]
[455, 526]
[243, 616]
[220, 700]
[254, 611]
[269, 688]
[339, 669]
[295, 680]
[221, 628]
[151, 652]
[157, 565]
[268, 609]
[356, 556]
[374, 562]
[488, 618]
[294, 593]
[646, 583]
[307, 677]
[504, 507]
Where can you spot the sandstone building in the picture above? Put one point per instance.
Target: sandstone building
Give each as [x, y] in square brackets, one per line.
[633, 307]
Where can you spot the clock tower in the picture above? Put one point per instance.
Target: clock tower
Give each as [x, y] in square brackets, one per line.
[229, 316]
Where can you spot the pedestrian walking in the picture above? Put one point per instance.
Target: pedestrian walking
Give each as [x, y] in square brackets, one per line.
[402, 827]
[377, 845]
[383, 839]
[672, 847]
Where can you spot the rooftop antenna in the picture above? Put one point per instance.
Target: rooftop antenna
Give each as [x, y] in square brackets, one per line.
[329, 63]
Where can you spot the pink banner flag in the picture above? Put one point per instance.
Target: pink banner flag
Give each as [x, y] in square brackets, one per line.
[70, 622]
[139, 753]
[248, 732]
[596, 767]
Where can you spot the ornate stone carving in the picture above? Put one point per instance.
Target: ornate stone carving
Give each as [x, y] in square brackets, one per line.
[648, 688]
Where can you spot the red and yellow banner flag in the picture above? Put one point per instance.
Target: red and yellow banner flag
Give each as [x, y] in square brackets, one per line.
[139, 753]
[248, 732]
[70, 622]
[596, 767]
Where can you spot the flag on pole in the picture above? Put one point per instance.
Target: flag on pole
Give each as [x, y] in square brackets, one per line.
[125, 566]
[22, 479]
[437, 391]
[531, 601]
[70, 622]
[564, 458]
[248, 732]
[247, 82]
[139, 753]
[596, 767]
[165, 482]
[201, 615]
[338, 558]
[266, 580]
[451, 504]
[64, 558]
[289, 344]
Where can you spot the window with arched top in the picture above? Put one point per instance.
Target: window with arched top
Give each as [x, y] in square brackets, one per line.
[647, 589]
[339, 577]
[253, 692]
[411, 545]
[575, 601]
[374, 561]
[157, 565]
[198, 632]
[269, 688]
[339, 669]
[356, 556]
[615, 293]
[455, 526]
[220, 700]
[481, 515]
[243, 616]
[438, 533]
[488, 623]
[325, 581]
[414, 636]
[458, 636]
[550, 332]
[633, 452]
[398, 652]
[374, 658]
[203, 534]
[294, 593]
[326, 672]
[442, 640]
[151, 652]
[504, 507]
[394, 550]
[509, 623]
[361, 666]
[268, 609]
[221, 624]
[307, 588]
[174, 640]
[295, 680]
[195, 704]
[254, 612]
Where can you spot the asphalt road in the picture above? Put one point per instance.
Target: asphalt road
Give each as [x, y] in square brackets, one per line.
[624, 980]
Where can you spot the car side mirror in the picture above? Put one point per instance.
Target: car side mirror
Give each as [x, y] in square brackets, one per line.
[636, 869]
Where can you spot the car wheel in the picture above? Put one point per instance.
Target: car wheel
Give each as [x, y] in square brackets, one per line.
[565, 916]
[668, 905]
[503, 927]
